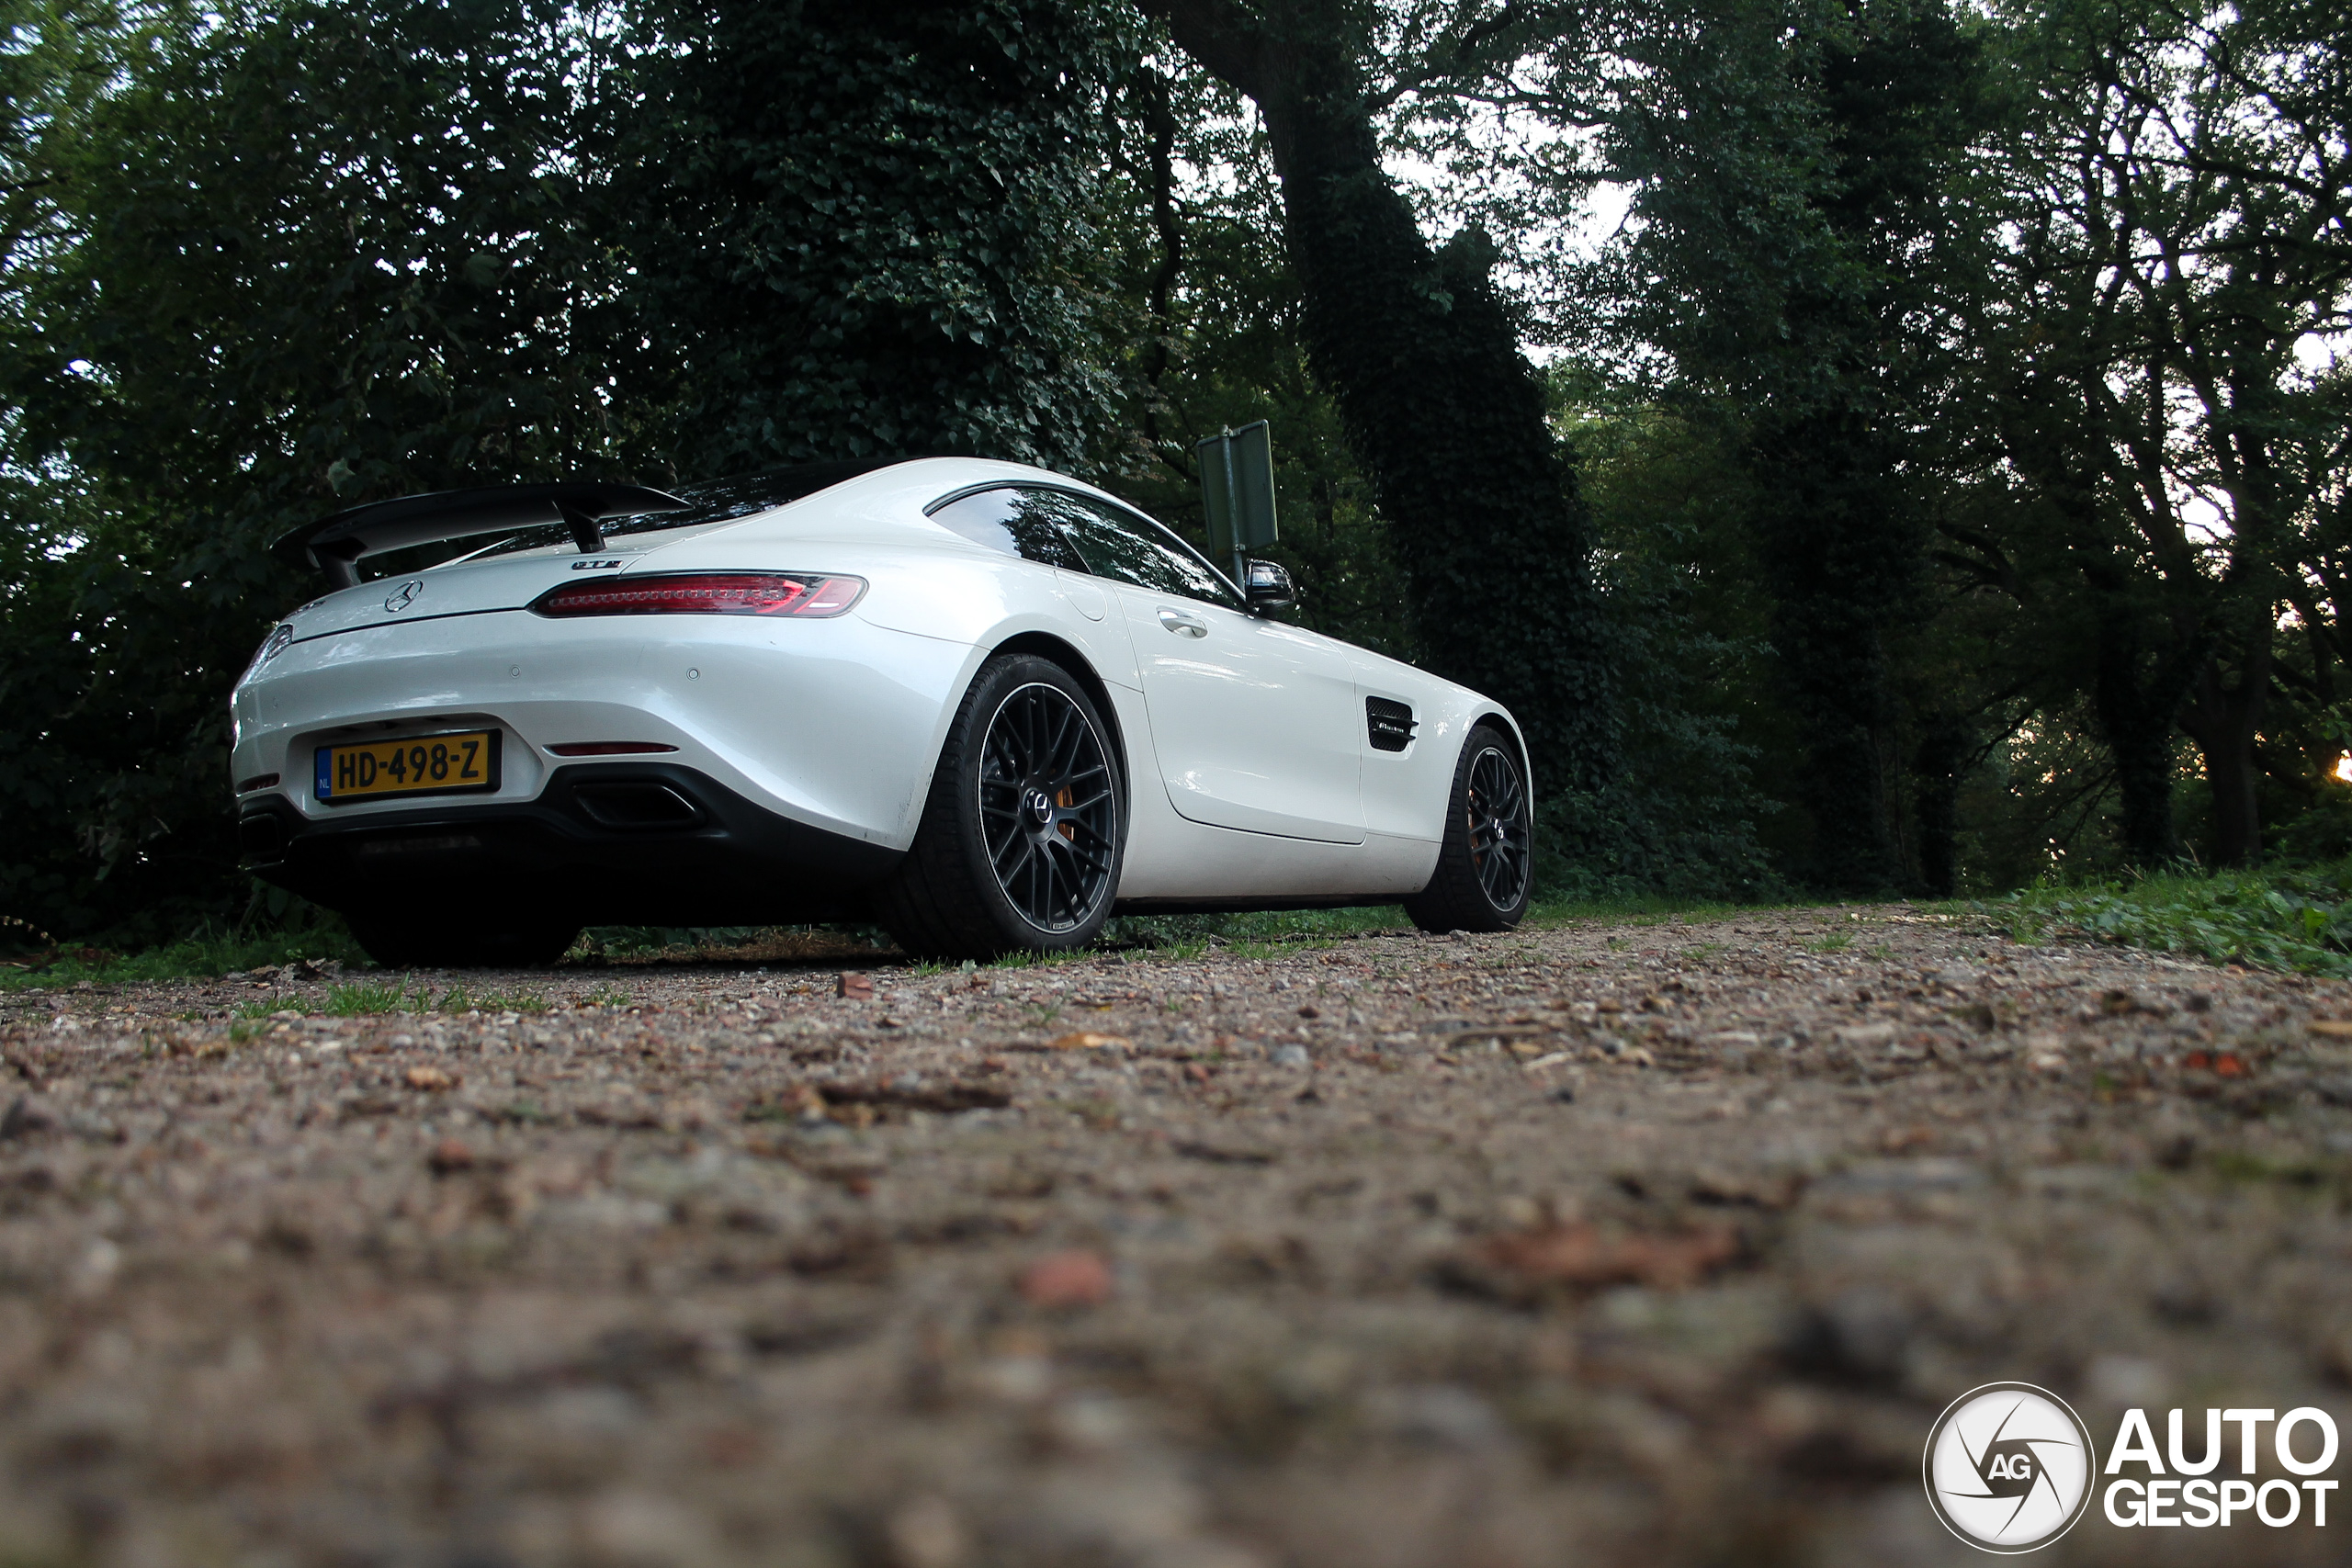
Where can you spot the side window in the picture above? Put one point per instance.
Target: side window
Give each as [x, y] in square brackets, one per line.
[1128, 548]
[1025, 522]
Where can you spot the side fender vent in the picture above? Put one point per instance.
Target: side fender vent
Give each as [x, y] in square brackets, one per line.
[1391, 725]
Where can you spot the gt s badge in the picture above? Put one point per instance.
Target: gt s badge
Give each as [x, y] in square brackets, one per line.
[597, 565]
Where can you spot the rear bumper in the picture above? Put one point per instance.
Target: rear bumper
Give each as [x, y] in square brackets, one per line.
[607, 843]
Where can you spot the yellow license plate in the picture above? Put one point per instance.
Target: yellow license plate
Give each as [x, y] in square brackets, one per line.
[421, 764]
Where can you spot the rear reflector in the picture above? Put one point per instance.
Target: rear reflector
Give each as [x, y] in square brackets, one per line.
[608, 747]
[705, 594]
[259, 781]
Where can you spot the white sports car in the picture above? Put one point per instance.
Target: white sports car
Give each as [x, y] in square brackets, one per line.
[980, 702]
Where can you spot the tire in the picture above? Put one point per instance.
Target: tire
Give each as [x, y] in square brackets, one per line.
[425, 942]
[1485, 867]
[1025, 830]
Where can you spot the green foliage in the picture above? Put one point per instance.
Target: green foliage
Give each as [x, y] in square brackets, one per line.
[266, 259]
[458, 999]
[278, 259]
[363, 999]
[201, 956]
[1685, 815]
[858, 228]
[1190, 935]
[2282, 919]
[1220, 347]
[1913, 535]
[2149, 216]
[1794, 156]
[1421, 352]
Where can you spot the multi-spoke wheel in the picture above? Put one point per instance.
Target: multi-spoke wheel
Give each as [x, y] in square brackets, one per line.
[1047, 809]
[1487, 863]
[1020, 839]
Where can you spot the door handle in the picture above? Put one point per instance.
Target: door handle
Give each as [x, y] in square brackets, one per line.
[1183, 625]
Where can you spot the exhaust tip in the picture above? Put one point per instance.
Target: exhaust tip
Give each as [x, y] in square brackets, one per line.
[636, 807]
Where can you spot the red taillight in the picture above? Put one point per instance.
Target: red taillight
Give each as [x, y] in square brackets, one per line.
[705, 594]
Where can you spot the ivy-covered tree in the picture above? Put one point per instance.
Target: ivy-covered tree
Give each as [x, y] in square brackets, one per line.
[1219, 347]
[271, 259]
[264, 261]
[1421, 352]
[857, 228]
[1792, 158]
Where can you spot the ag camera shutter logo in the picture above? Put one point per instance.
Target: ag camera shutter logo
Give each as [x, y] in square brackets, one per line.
[2008, 1467]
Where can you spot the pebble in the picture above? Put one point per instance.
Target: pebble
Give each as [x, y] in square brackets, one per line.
[1077, 1278]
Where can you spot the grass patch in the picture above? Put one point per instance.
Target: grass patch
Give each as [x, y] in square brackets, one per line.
[1190, 935]
[196, 957]
[2298, 919]
[456, 999]
[1836, 942]
[360, 997]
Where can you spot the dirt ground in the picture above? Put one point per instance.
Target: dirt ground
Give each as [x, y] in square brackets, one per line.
[1659, 1243]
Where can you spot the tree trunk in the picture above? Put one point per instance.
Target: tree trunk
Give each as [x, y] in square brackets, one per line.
[1443, 410]
[2222, 719]
[2137, 704]
[1937, 766]
[1841, 557]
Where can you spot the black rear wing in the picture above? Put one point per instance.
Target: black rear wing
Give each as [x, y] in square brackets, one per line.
[338, 545]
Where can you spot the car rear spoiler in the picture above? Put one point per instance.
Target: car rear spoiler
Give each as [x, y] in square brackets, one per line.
[337, 545]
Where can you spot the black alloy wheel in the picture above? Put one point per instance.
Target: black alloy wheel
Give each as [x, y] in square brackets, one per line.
[1048, 811]
[1024, 832]
[1486, 866]
[1501, 831]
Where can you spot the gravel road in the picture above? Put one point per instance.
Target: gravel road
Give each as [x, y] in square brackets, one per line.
[1658, 1243]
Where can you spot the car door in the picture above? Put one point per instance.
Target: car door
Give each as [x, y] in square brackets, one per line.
[1251, 720]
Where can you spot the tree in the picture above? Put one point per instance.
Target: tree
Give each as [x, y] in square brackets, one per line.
[1421, 356]
[264, 262]
[1206, 258]
[269, 260]
[1793, 159]
[857, 229]
[2178, 196]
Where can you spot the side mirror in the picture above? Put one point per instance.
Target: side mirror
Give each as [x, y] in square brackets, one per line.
[1268, 586]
